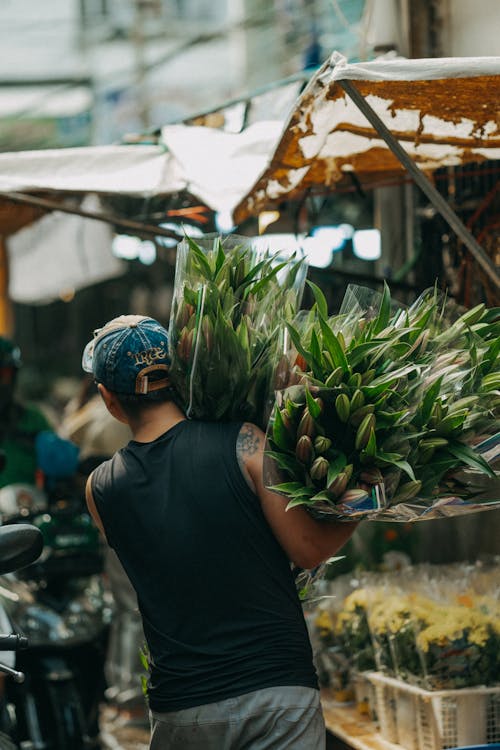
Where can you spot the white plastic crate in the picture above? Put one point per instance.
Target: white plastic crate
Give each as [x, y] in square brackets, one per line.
[364, 694]
[420, 719]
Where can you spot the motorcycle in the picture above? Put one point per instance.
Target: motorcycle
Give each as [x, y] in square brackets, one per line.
[20, 545]
[61, 605]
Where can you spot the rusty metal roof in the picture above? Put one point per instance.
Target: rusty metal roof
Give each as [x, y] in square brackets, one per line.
[442, 111]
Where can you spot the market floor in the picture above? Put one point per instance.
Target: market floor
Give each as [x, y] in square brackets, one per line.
[120, 733]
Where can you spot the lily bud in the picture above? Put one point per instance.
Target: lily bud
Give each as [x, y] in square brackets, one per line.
[304, 450]
[184, 313]
[353, 496]
[282, 375]
[300, 362]
[339, 484]
[363, 431]
[208, 332]
[319, 469]
[319, 401]
[185, 345]
[306, 425]
[322, 444]
[285, 418]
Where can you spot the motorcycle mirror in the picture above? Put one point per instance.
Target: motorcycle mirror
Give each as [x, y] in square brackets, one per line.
[20, 545]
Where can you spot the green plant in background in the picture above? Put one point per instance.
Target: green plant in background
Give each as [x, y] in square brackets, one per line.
[225, 324]
[144, 657]
[353, 631]
[377, 398]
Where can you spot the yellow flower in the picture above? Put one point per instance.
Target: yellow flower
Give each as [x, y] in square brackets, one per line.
[457, 622]
[324, 622]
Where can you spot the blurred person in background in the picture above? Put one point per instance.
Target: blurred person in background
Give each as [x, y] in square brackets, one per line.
[19, 423]
[19, 426]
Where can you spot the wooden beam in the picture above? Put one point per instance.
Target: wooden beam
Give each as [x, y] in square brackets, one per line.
[6, 313]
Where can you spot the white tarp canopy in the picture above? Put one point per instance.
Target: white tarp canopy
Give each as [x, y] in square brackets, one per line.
[216, 167]
[94, 169]
[443, 111]
[60, 252]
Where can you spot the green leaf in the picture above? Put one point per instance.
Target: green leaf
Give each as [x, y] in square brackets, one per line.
[294, 335]
[284, 460]
[316, 355]
[358, 353]
[298, 501]
[321, 497]
[320, 299]
[469, 457]
[287, 488]
[281, 436]
[143, 656]
[200, 256]
[220, 258]
[382, 383]
[371, 446]
[312, 405]
[394, 459]
[335, 467]
[386, 419]
[384, 312]
[493, 351]
[430, 397]
[266, 279]
[295, 266]
[491, 314]
[248, 278]
[331, 342]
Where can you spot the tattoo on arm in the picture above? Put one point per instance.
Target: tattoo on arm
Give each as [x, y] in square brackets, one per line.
[248, 440]
[247, 445]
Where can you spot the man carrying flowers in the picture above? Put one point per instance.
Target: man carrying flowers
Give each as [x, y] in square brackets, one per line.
[208, 550]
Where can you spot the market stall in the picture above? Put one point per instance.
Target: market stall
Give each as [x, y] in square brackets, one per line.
[411, 657]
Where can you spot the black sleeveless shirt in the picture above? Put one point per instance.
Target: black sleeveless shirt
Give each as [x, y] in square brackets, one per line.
[215, 590]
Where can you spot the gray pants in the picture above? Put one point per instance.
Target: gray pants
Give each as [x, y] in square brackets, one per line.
[279, 718]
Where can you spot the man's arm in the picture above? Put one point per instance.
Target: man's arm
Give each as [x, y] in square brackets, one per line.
[306, 541]
[92, 507]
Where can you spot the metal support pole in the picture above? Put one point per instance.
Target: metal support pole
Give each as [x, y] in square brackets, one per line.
[424, 183]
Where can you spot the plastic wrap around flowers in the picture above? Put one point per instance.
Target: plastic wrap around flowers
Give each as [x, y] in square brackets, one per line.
[391, 413]
[229, 302]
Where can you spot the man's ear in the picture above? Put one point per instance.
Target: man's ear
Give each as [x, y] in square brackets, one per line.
[112, 404]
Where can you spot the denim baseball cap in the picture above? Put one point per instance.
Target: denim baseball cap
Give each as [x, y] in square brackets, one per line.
[129, 355]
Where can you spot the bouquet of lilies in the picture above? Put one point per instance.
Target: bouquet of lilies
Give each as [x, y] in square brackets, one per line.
[229, 302]
[389, 413]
